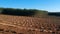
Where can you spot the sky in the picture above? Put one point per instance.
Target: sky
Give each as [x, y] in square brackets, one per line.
[48, 5]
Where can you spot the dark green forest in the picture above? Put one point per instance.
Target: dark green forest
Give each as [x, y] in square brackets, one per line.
[22, 12]
[54, 13]
[27, 12]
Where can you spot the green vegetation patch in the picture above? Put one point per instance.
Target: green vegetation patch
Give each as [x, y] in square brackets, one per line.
[22, 12]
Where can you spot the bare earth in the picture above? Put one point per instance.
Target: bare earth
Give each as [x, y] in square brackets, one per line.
[29, 25]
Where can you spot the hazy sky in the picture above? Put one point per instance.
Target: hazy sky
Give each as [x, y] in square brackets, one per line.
[49, 5]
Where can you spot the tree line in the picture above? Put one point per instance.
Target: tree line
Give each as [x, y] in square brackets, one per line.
[20, 12]
[54, 13]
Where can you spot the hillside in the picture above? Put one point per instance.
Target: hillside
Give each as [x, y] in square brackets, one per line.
[36, 22]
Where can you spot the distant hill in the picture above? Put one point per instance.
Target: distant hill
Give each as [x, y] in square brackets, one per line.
[54, 13]
[27, 12]
[23, 12]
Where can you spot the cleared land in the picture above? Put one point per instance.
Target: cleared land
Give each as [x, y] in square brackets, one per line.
[29, 25]
[18, 21]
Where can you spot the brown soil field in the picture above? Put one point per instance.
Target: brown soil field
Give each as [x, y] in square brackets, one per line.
[29, 25]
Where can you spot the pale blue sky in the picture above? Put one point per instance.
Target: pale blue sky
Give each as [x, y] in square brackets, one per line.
[49, 5]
